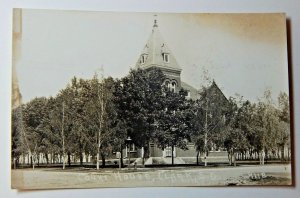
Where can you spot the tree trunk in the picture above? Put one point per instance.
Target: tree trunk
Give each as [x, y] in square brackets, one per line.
[38, 160]
[28, 157]
[97, 160]
[103, 160]
[63, 135]
[81, 158]
[147, 151]
[80, 152]
[234, 158]
[47, 158]
[262, 157]
[282, 153]
[122, 163]
[197, 158]
[69, 159]
[16, 162]
[172, 155]
[143, 155]
[87, 158]
[23, 156]
[229, 157]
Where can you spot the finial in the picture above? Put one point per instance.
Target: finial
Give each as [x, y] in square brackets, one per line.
[214, 82]
[155, 21]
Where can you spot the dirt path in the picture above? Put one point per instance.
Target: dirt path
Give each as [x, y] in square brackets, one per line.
[49, 178]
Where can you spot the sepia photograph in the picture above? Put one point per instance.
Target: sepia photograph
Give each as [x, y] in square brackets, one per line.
[133, 99]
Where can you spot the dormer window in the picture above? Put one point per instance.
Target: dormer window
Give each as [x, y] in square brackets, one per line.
[166, 57]
[143, 58]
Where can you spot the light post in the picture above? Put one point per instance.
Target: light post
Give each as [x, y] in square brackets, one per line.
[128, 142]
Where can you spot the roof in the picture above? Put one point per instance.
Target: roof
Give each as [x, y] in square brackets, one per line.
[215, 87]
[216, 95]
[154, 50]
[194, 93]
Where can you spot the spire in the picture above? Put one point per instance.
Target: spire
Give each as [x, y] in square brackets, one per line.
[156, 52]
[155, 21]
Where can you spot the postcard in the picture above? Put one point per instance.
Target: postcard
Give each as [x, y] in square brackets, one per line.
[123, 99]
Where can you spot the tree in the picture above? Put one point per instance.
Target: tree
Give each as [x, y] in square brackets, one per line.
[100, 117]
[238, 128]
[51, 129]
[173, 124]
[209, 120]
[19, 145]
[108, 119]
[75, 133]
[267, 123]
[284, 123]
[138, 99]
[32, 128]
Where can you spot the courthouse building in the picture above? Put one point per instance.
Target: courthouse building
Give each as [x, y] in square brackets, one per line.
[156, 54]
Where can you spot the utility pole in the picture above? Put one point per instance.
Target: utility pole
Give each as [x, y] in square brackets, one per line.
[63, 134]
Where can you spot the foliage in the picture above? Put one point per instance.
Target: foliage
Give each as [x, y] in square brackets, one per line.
[104, 112]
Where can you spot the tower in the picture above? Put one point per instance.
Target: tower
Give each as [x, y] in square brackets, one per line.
[157, 54]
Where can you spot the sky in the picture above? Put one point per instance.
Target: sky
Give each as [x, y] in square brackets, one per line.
[244, 53]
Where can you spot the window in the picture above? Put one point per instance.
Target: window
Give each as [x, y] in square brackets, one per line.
[188, 96]
[167, 84]
[173, 87]
[143, 58]
[166, 57]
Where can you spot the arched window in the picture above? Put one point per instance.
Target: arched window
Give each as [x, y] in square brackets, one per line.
[167, 84]
[173, 87]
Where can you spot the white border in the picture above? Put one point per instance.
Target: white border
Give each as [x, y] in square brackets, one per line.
[290, 7]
